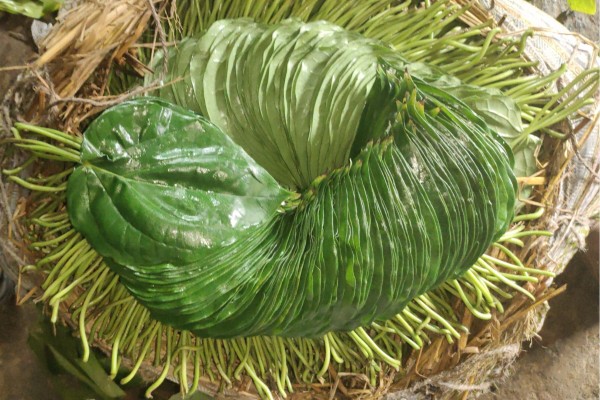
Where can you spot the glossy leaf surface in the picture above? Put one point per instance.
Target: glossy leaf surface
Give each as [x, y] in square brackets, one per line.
[158, 183]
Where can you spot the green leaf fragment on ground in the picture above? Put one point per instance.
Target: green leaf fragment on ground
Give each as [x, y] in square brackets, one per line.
[584, 6]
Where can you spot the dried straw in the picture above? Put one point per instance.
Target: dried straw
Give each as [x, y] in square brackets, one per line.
[75, 58]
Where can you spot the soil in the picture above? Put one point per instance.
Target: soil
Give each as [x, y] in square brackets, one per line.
[562, 364]
[16, 47]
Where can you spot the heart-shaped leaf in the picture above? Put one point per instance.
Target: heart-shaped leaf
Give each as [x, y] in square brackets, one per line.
[158, 183]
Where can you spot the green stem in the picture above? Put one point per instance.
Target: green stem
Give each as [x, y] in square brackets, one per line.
[59, 136]
[166, 367]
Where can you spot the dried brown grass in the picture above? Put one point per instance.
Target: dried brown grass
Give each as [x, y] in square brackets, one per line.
[75, 60]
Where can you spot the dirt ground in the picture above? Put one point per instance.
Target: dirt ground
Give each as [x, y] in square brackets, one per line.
[562, 364]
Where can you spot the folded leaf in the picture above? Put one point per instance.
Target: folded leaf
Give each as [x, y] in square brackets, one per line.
[158, 183]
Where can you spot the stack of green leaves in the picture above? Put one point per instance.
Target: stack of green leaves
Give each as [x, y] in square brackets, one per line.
[322, 187]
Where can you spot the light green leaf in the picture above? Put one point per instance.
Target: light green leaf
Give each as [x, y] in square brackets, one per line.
[58, 350]
[500, 112]
[525, 160]
[584, 6]
[32, 9]
[291, 95]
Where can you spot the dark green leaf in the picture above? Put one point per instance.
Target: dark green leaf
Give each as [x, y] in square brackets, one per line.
[158, 183]
[59, 351]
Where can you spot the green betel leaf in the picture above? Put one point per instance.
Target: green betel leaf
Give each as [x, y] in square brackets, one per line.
[525, 160]
[160, 183]
[301, 98]
[500, 112]
[290, 94]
